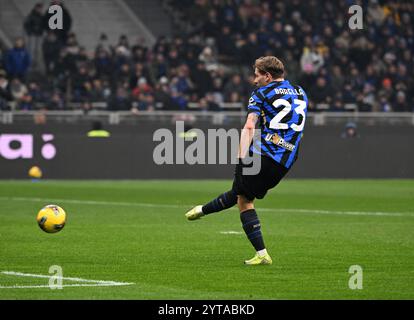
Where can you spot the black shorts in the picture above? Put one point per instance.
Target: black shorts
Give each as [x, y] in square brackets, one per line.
[256, 186]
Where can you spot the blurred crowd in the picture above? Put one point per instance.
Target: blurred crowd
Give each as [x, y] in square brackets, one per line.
[340, 69]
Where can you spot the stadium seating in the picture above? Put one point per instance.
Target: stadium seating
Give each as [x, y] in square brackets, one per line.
[183, 55]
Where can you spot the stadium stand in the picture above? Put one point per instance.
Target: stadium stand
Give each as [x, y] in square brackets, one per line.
[154, 15]
[205, 63]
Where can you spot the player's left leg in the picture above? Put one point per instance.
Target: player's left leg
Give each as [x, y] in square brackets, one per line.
[252, 228]
[224, 201]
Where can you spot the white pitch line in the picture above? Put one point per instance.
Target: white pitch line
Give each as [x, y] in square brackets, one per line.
[91, 283]
[102, 203]
[355, 213]
[67, 285]
[231, 232]
[155, 205]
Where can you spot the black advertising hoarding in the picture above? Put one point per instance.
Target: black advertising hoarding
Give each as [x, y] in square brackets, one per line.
[65, 152]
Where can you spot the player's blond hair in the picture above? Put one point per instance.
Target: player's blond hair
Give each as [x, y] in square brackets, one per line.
[270, 64]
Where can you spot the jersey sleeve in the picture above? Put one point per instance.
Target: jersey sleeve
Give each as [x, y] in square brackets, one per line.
[255, 104]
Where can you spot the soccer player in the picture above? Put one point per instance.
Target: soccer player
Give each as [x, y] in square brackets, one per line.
[280, 110]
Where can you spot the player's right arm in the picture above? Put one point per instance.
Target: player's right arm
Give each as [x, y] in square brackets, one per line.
[254, 110]
[247, 134]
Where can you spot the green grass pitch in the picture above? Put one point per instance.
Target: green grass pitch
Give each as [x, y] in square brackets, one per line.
[135, 232]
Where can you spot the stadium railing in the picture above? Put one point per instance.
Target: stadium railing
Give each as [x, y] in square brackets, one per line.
[215, 118]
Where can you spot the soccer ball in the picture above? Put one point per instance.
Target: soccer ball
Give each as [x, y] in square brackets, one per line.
[35, 172]
[51, 218]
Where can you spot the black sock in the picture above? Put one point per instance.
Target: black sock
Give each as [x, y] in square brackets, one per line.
[222, 202]
[251, 226]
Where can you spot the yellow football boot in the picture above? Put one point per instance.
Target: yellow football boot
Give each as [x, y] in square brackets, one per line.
[195, 213]
[258, 260]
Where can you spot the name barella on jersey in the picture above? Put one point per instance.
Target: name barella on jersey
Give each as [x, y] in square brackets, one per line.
[282, 110]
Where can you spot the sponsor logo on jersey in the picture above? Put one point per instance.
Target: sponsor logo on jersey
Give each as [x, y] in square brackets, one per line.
[277, 140]
[252, 102]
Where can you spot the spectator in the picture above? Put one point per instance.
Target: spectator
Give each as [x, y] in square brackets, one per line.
[18, 60]
[123, 75]
[362, 104]
[5, 92]
[70, 54]
[311, 61]
[98, 131]
[142, 88]
[39, 118]
[86, 106]
[208, 58]
[26, 102]
[122, 57]
[144, 102]
[178, 99]
[61, 34]
[56, 102]
[202, 80]
[182, 82]
[211, 27]
[51, 51]
[348, 94]
[103, 64]
[337, 80]
[34, 27]
[120, 101]
[400, 104]
[386, 90]
[337, 106]
[384, 104]
[159, 67]
[208, 104]
[99, 93]
[139, 54]
[359, 58]
[103, 44]
[366, 99]
[81, 83]
[376, 13]
[235, 85]
[335, 65]
[361, 52]
[213, 105]
[225, 43]
[198, 12]
[292, 68]
[141, 71]
[123, 45]
[250, 50]
[162, 96]
[18, 89]
[321, 92]
[350, 131]
[36, 92]
[218, 89]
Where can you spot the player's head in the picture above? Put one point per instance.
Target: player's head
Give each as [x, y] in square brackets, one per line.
[38, 7]
[267, 69]
[19, 42]
[97, 125]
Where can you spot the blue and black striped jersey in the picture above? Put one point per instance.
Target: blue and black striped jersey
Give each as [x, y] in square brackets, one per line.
[282, 109]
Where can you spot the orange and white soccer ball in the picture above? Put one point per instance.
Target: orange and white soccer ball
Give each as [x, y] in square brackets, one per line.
[51, 218]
